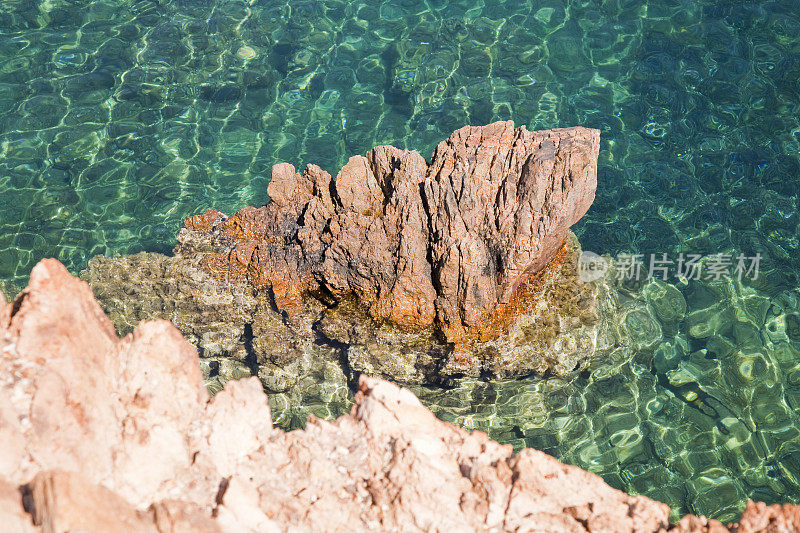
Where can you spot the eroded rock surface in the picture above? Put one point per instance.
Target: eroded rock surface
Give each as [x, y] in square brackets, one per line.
[397, 268]
[239, 331]
[501, 201]
[103, 434]
[416, 245]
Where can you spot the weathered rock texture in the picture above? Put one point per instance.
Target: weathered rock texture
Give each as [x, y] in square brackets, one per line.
[416, 245]
[500, 202]
[397, 268]
[238, 332]
[103, 434]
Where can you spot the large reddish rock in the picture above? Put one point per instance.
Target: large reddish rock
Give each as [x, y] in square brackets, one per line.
[417, 245]
[377, 247]
[501, 201]
[419, 273]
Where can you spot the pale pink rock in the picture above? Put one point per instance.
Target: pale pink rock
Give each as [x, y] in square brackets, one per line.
[231, 436]
[760, 517]
[701, 524]
[107, 435]
[56, 338]
[64, 502]
[546, 487]
[5, 311]
[13, 518]
[160, 399]
[13, 454]
[121, 412]
[175, 516]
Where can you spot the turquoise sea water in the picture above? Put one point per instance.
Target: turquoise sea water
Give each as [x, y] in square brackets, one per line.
[119, 118]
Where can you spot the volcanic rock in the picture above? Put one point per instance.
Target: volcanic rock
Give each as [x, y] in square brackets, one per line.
[402, 269]
[415, 245]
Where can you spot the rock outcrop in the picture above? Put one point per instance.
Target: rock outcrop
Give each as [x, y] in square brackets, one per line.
[416, 245]
[239, 332]
[500, 202]
[398, 268]
[104, 434]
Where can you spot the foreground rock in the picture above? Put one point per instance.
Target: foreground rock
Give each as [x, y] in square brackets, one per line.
[397, 268]
[106, 434]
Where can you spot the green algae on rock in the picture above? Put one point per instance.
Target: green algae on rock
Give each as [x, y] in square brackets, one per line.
[239, 332]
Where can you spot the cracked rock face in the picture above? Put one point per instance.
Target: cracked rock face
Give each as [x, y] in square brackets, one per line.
[239, 332]
[397, 268]
[500, 202]
[416, 245]
[104, 434]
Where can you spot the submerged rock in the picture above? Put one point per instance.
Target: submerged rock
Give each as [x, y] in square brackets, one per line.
[238, 330]
[234, 327]
[397, 268]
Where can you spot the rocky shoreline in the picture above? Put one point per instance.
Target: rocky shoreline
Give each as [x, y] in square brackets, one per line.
[257, 295]
[107, 434]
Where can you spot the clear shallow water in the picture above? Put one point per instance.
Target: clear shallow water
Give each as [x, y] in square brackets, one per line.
[692, 399]
[119, 118]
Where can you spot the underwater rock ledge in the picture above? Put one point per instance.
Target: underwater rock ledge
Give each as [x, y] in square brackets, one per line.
[416, 272]
[103, 434]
